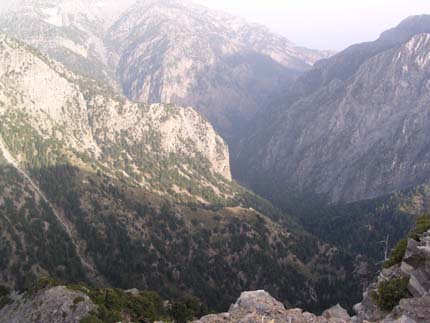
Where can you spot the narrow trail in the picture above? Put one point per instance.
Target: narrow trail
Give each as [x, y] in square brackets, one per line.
[68, 226]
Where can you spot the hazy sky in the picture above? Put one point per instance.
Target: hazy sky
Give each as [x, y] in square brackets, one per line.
[324, 24]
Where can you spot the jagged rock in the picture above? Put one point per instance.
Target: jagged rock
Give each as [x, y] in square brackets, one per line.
[416, 264]
[259, 302]
[417, 308]
[367, 309]
[337, 313]
[419, 284]
[411, 251]
[57, 305]
[259, 306]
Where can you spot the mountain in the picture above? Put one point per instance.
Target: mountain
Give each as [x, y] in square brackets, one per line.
[175, 51]
[355, 127]
[99, 189]
[168, 51]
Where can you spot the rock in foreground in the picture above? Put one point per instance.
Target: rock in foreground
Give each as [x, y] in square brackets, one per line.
[259, 306]
[57, 304]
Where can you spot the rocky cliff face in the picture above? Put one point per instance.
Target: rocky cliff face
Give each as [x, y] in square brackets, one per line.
[81, 114]
[224, 67]
[353, 128]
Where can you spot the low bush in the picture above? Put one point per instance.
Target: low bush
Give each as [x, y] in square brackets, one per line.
[390, 293]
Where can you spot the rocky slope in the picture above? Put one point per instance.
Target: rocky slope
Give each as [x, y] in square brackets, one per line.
[355, 127]
[56, 304]
[167, 51]
[97, 188]
[400, 295]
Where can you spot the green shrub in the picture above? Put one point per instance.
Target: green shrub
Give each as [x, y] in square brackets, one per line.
[422, 226]
[114, 304]
[187, 309]
[396, 257]
[390, 293]
[397, 254]
[42, 283]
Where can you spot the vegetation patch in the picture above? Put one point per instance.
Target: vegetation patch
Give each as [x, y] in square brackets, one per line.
[390, 293]
[396, 257]
[422, 226]
[4, 296]
[116, 305]
[42, 283]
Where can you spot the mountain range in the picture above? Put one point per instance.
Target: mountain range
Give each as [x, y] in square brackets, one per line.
[115, 193]
[132, 134]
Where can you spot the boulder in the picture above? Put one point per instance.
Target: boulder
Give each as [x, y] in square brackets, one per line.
[414, 257]
[56, 304]
[406, 268]
[260, 307]
[337, 313]
[259, 302]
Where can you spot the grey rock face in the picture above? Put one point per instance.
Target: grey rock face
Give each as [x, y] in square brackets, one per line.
[55, 305]
[353, 128]
[91, 121]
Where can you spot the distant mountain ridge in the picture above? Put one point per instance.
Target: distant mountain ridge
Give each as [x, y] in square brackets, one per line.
[167, 51]
[354, 127]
